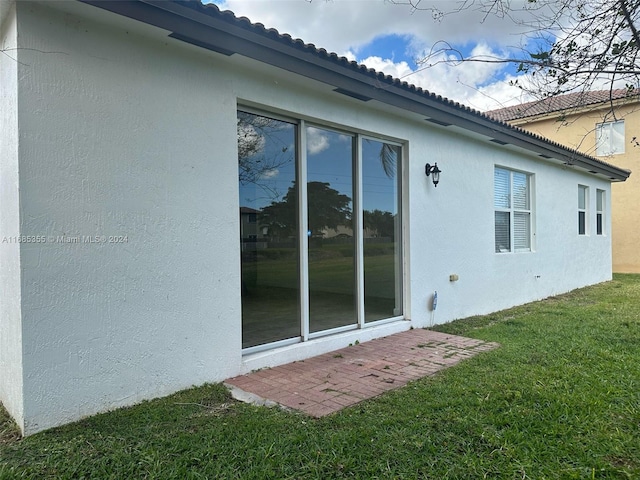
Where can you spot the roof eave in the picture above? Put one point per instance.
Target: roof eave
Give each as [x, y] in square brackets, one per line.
[228, 35]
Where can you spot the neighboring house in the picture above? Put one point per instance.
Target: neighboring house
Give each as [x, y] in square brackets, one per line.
[605, 124]
[252, 233]
[122, 273]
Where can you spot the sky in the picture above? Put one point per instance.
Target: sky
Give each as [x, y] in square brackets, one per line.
[268, 169]
[392, 37]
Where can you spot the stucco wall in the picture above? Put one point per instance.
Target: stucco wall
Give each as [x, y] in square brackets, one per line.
[451, 227]
[578, 131]
[135, 136]
[122, 138]
[10, 316]
[461, 236]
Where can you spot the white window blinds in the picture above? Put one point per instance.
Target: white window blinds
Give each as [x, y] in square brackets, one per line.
[512, 204]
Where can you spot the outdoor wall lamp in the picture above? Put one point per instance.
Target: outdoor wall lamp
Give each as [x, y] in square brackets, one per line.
[433, 169]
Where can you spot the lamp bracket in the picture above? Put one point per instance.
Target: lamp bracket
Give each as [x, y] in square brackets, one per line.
[429, 169]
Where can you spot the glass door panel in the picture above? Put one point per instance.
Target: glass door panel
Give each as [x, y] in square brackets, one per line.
[381, 229]
[268, 229]
[332, 280]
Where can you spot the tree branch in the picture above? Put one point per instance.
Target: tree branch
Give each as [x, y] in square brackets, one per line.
[627, 16]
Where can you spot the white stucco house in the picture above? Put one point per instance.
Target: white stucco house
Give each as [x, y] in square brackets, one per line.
[146, 149]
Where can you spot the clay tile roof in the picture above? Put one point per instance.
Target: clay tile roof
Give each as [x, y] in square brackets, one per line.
[560, 103]
[389, 89]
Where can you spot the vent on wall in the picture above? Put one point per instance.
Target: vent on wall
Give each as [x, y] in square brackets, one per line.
[438, 122]
[351, 94]
[499, 142]
[546, 156]
[200, 43]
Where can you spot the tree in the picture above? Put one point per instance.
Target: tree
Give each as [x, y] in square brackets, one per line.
[381, 222]
[256, 162]
[571, 45]
[281, 217]
[328, 208]
[388, 159]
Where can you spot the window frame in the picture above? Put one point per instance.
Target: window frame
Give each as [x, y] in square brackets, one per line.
[513, 210]
[583, 211]
[359, 136]
[600, 211]
[608, 147]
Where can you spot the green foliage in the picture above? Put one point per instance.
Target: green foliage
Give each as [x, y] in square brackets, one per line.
[559, 399]
[328, 208]
[381, 222]
[9, 431]
[389, 158]
[543, 56]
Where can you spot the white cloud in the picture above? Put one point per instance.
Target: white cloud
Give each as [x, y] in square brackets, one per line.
[250, 142]
[274, 172]
[317, 141]
[397, 70]
[475, 84]
[342, 25]
[498, 95]
[348, 26]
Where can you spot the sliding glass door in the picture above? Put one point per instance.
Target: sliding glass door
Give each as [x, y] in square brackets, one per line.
[267, 165]
[381, 230]
[331, 259]
[324, 257]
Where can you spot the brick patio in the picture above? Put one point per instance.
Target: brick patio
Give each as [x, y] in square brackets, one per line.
[327, 383]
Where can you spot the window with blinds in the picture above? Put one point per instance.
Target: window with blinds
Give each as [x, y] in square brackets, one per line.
[512, 205]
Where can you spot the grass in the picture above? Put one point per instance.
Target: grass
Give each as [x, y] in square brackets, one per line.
[330, 272]
[559, 399]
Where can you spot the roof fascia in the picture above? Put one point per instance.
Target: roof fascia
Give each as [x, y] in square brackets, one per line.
[238, 36]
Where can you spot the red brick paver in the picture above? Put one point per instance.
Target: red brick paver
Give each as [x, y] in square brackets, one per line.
[327, 383]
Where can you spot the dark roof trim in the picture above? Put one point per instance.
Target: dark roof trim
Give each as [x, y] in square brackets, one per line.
[351, 94]
[200, 43]
[438, 122]
[208, 27]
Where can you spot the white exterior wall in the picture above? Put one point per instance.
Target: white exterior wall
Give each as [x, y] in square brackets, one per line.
[120, 137]
[10, 315]
[128, 135]
[459, 224]
[451, 226]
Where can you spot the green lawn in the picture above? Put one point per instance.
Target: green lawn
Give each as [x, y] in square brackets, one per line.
[331, 269]
[559, 399]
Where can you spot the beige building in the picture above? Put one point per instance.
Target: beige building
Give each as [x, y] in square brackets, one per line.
[605, 124]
